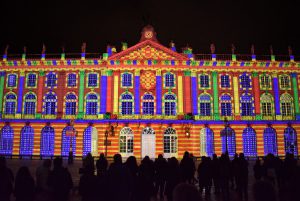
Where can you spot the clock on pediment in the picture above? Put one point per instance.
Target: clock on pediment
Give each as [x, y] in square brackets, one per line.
[148, 33]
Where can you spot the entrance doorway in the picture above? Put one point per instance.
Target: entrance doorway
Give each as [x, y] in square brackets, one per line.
[148, 142]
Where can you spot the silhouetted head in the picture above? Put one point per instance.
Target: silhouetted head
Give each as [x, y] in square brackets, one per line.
[47, 163]
[101, 155]
[186, 154]
[242, 156]
[160, 156]
[236, 155]
[131, 160]
[118, 158]
[186, 192]
[57, 162]
[215, 156]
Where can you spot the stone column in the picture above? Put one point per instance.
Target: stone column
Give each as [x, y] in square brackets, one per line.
[256, 91]
[41, 83]
[187, 92]
[103, 92]
[137, 92]
[194, 93]
[236, 96]
[296, 95]
[20, 95]
[158, 92]
[81, 94]
[216, 95]
[2, 77]
[276, 96]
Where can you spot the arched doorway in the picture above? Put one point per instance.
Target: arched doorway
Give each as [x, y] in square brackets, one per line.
[68, 141]
[148, 142]
[228, 141]
[126, 142]
[170, 143]
[290, 141]
[206, 142]
[90, 141]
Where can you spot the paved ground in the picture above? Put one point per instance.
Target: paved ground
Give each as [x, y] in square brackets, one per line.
[14, 164]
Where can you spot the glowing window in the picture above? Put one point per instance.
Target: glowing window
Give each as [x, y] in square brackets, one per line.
[90, 141]
[206, 142]
[265, 81]
[126, 140]
[290, 141]
[70, 104]
[31, 80]
[12, 80]
[226, 106]
[249, 142]
[10, 103]
[247, 106]
[286, 103]
[266, 101]
[126, 104]
[92, 80]
[148, 104]
[228, 134]
[225, 81]
[91, 104]
[170, 105]
[169, 80]
[270, 142]
[126, 80]
[204, 81]
[29, 104]
[284, 81]
[47, 141]
[170, 141]
[205, 105]
[26, 144]
[245, 81]
[71, 80]
[6, 140]
[68, 142]
[50, 104]
[51, 80]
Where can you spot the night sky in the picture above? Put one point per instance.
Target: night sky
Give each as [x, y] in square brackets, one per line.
[194, 22]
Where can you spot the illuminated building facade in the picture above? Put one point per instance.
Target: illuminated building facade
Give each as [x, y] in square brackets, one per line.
[151, 99]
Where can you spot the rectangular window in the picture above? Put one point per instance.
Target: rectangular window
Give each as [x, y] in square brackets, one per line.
[265, 82]
[266, 109]
[284, 82]
[170, 81]
[29, 108]
[123, 144]
[70, 108]
[129, 144]
[225, 82]
[12, 80]
[126, 108]
[92, 80]
[51, 80]
[170, 108]
[226, 109]
[205, 109]
[72, 80]
[148, 108]
[246, 109]
[126, 80]
[245, 81]
[286, 109]
[204, 81]
[31, 80]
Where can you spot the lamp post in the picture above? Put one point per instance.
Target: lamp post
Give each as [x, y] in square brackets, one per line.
[106, 136]
[106, 133]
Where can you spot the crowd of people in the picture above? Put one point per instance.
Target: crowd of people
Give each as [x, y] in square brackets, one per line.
[162, 179]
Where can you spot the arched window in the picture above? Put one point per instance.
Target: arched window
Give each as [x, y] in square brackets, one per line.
[249, 142]
[287, 106]
[6, 140]
[126, 141]
[26, 144]
[91, 107]
[50, 104]
[51, 80]
[207, 142]
[225, 81]
[205, 105]
[10, 103]
[71, 80]
[226, 105]
[170, 142]
[245, 81]
[31, 80]
[266, 102]
[11, 80]
[204, 81]
[247, 105]
[290, 141]
[148, 104]
[47, 141]
[70, 104]
[265, 81]
[90, 141]
[169, 80]
[126, 80]
[228, 135]
[68, 141]
[29, 103]
[126, 104]
[170, 104]
[270, 141]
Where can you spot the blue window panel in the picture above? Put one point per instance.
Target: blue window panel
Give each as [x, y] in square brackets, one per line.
[148, 104]
[205, 109]
[26, 144]
[225, 81]
[6, 140]
[126, 80]
[68, 141]
[51, 80]
[92, 104]
[245, 81]
[50, 104]
[31, 80]
[169, 80]
[47, 141]
[29, 105]
[10, 105]
[170, 108]
[249, 142]
[127, 104]
[247, 105]
[87, 140]
[226, 109]
[72, 80]
[71, 104]
[204, 81]
[209, 142]
[92, 80]
[231, 144]
[12, 80]
[270, 141]
[290, 141]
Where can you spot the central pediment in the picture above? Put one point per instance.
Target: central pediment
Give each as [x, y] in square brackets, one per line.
[148, 49]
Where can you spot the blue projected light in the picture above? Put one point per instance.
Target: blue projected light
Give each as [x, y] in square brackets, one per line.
[68, 140]
[231, 144]
[270, 142]
[26, 144]
[47, 141]
[249, 142]
[6, 140]
[290, 141]
[87, 140]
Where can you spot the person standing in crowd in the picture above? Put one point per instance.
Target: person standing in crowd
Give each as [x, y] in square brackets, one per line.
[88, 162]
[133, 168]
[225, 176]
[60, 181]
[216, 173]
[234, 169]
[88, 185]
[187, 168]
[242, 177]
[160, 166]
[42, 174]
[205, 175]
[101, 165]
[6, 181]
[173, 177]
[24, 185]
[257, 169]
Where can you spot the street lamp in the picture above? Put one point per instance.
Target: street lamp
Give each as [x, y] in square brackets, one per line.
[111, 131]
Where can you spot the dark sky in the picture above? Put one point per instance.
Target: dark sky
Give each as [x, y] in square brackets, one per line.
[194, 22]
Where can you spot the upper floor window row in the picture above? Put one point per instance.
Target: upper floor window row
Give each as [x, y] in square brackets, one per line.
[11, 80]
